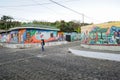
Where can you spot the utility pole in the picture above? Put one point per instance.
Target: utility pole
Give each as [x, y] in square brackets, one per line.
[82, 22]
[82, 19]
[70, 10]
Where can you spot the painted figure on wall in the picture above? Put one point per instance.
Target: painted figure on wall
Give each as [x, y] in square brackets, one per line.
[61, 36]
[37, 35]
[28, 35]
[14, 38]
[28, 38]
[4, 38]
[21, 35]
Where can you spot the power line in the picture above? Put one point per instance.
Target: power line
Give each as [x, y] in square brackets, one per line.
[37, 4]
[46, 7]
[83, 15]
[66, 7]
[28, 5]
[69, 9]
[23, 19]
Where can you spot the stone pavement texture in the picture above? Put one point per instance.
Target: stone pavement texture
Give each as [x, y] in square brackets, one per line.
[56, 63]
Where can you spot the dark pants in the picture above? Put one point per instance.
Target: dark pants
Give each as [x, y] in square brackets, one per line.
[42, 48]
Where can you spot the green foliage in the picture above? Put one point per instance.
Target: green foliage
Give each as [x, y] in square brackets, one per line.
[71, 26]
[6, 22]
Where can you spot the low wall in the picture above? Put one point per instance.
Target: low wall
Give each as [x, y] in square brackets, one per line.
[32, 45]
[102, 47]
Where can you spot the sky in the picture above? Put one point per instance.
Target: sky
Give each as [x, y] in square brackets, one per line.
[95, 11]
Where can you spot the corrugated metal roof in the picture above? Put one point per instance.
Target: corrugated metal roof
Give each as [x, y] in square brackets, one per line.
[32, 28]
[40, 26]
[2, 31]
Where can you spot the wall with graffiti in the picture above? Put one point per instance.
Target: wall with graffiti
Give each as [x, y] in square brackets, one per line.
[73, 36]
[28, 36]
[98, 35]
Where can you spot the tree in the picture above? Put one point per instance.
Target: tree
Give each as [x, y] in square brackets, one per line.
[70, 26]
[6, 20]
[75, 25]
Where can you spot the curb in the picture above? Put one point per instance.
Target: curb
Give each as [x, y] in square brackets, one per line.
[96, 55]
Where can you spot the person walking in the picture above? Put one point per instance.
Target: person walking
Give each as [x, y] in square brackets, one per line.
[42, 44]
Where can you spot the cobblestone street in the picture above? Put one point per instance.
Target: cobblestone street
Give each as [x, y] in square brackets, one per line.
[55, 63]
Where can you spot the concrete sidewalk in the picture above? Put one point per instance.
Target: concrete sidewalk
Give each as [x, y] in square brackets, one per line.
[31, 45]
[96, 54]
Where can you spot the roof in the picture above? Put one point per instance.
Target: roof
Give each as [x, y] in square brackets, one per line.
[32, 28]
[40, 26]
[2, 31]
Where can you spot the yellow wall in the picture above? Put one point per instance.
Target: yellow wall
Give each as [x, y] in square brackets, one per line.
[103, 25]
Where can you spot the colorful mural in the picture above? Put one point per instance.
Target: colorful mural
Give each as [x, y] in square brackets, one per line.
[28, 35]
[74, 36]
[98, 35]
[33, 35]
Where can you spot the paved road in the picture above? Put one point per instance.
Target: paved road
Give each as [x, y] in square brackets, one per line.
[56, 63]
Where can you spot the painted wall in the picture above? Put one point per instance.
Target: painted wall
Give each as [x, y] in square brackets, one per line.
[74, 36]
[28, 36]
[100, 35]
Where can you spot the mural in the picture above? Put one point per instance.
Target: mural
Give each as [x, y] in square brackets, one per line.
[98, 35]
[74, 36]
[28, 36]
[35, 36]
[3, 37]
[61, 36]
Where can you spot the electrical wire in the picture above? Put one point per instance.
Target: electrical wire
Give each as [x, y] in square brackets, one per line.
[83, 15]
[28, 5]
[38, 4]
[66, 7]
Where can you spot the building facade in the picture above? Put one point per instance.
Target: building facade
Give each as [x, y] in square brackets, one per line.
[97, 34]
[29, 35]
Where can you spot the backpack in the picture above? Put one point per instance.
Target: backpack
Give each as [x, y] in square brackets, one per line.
[43, 43]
